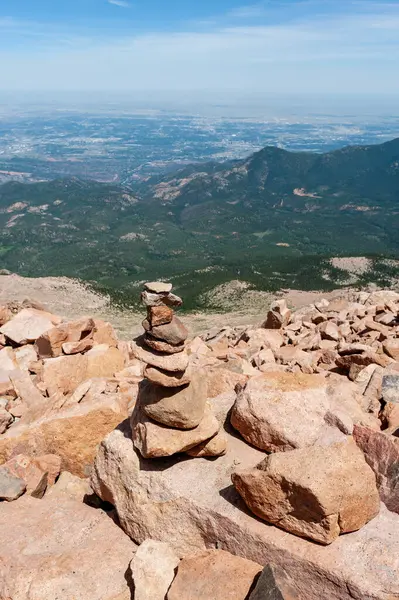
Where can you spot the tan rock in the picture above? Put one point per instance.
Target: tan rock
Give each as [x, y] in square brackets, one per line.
[6, 387]
[5, 315]
[220, 381]
[71, 486]
[317, 493]
[28, 470]
[30, 396]
[27, 326]
[25, 357]
[155, 440]
[192, 505]
[264, 338]
[159, 315]
[49, 345]
[278, 316]
[173, 333]
[181, 407]
[7, 359]
[104, 361]
[63, 374]
[213, 574]
[158, 287]
[153, 569]
[11, 487]
[104, 333]
[56, 548]
[381, 452]
[72, 433]
[166, 378]
[329, 331]
[51, 464]
[161, 346]
[167, 362]
[216, 446]
[78, 347]
[6, 419]
[391, 347]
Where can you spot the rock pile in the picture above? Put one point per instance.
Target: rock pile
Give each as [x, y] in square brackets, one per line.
[172, 413]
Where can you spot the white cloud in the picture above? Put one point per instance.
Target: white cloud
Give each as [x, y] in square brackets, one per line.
[120, 3]
[351, 52]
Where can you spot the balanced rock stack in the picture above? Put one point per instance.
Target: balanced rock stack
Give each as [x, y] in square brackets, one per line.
[172, 414]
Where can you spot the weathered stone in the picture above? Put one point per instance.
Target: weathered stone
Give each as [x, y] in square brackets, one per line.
[153, 569]
[7, 359]
[166, 362]
[61, 548]
[329, 331]
[62, 375]
[51, 464]
[390, 388]
[78, 347]
[381, 451]
[71, 486]
[362, 359]
[192, 505]
[278, 316]
[158, 287]
[27, 326]
[104, 333]
[5, 315]
[282, 411]
[71, 433]
[33, 400]
[6, 419]
[155, 440]
[6, 387]
[216, 446]
[11, 486]
[159, 315]
[274, 584]
[316, 492]
[25, 357]
[213, 574]
[49, 345]
[263, 338]
[172, 333]
[104, 361]
[166, 378]
[162, 346]
[151, 299]
[28, 470]
[391, 347]
[220, 381]
[181, 407]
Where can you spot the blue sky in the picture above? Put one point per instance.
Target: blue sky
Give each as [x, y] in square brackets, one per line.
[206, 47]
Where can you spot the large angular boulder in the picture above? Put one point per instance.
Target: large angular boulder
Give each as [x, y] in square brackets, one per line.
[214, 574]
[61, 548]
[153, 570]
[192, 505]
[281, 411]
[317, 492]
[28, 325]
[381, 451]
[62, 375]
[49, 344]
[11, 486]
[72, 433]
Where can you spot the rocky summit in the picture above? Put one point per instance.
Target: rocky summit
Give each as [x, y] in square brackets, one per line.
[247, 463]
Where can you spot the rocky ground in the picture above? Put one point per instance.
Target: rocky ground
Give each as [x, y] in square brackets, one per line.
[255, 461]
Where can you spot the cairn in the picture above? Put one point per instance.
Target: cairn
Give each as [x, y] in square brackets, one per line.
[172, 414]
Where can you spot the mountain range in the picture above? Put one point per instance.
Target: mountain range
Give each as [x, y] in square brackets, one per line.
[273, 219]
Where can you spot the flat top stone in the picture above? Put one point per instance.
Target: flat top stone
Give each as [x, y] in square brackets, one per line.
[158, 287]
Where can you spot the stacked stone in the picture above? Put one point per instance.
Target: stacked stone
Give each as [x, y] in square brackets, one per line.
[172, 413]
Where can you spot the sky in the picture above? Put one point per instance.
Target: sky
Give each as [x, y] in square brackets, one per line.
[219, 48]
